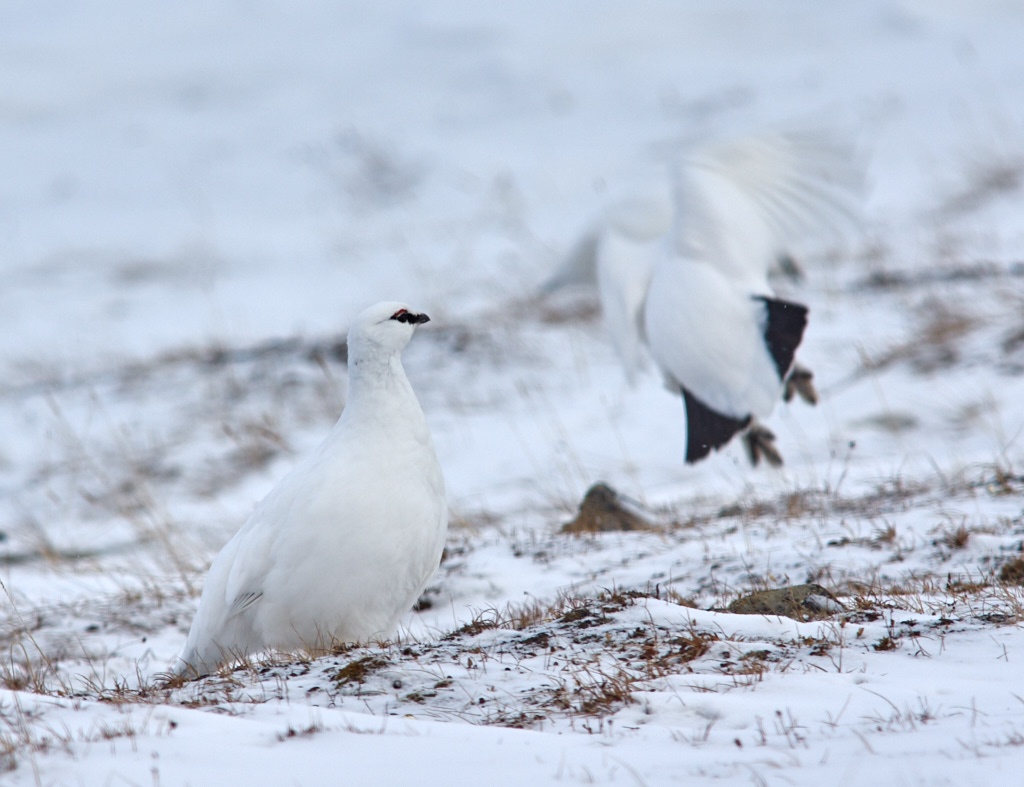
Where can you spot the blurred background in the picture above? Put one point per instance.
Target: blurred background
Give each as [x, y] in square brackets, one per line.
[195, 199]
[230, 170]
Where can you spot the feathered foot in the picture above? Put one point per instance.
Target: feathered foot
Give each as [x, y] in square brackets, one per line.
[760, 441]
[789, 267]
[800, 382]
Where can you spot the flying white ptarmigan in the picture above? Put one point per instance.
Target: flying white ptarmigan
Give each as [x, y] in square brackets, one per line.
[342, 547]
[682, 271]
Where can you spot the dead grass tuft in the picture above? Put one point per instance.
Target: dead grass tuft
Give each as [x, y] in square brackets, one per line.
[957, 538]
[357, 671]
[305, 732]
[886, 643]
[985, 181]
[1012, 572]
[934, 342]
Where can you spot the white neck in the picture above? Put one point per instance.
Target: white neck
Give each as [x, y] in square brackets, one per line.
[380, 398]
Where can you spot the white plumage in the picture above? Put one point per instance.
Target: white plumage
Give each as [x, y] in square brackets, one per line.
[726, 348]
[751, 197]
[342, 547]
[682, 273]
[705, 335]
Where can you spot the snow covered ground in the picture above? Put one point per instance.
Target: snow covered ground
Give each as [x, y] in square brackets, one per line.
[196, 200]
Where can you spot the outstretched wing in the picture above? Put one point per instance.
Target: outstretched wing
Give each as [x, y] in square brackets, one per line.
[624, 266]
[617, 255]
[742, 203]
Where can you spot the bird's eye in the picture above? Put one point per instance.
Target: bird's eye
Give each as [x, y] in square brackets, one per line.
[401, 315]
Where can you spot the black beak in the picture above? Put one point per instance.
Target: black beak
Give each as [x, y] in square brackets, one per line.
[421, 318]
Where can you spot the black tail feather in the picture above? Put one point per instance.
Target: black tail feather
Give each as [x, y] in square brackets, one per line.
[783, 331]
[707, 430]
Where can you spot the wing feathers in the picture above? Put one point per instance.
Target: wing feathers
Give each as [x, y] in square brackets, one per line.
[243, 602]
[783, 331]
[707, 430]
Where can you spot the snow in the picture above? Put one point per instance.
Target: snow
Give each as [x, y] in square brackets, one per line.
[197, 201]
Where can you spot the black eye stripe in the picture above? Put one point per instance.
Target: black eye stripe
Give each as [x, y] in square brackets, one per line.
[403, 315]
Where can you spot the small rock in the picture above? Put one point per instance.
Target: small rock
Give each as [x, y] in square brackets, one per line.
[800, 602]
[602, 510]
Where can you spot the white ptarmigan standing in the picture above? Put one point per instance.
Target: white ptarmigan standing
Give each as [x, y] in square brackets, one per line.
[342, 547]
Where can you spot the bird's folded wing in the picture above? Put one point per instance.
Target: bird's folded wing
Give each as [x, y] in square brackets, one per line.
[246, 562]
[244, 601]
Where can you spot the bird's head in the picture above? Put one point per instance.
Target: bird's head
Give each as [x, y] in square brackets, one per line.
[383, 330]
